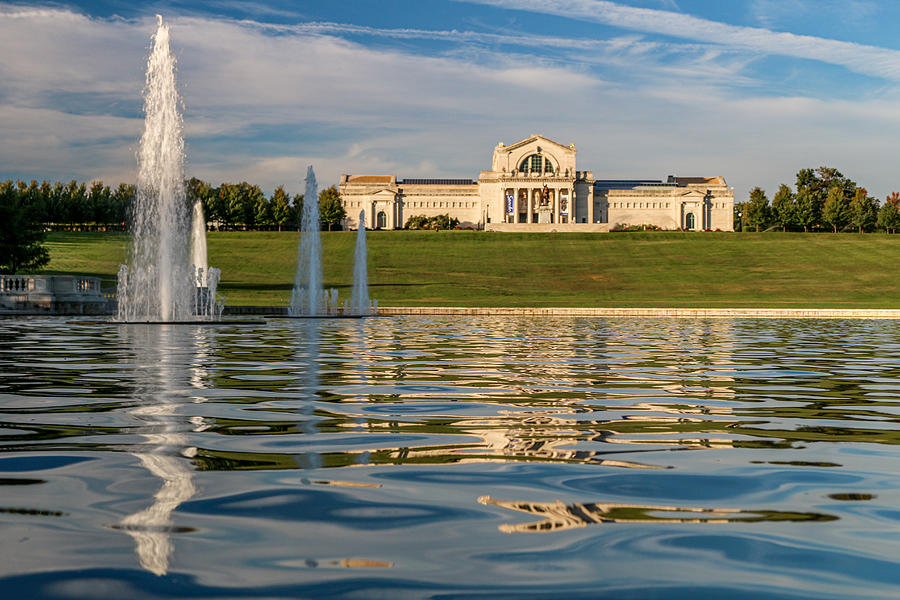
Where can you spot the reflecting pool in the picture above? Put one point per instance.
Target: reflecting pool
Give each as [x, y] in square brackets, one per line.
[444, 458]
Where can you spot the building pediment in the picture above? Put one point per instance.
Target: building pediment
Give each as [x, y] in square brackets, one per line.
[384, 194]
[508, 159]
[536, 139]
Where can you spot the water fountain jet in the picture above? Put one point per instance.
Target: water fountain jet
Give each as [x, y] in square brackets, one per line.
[359, 300]
[307, 297]
[160, 283]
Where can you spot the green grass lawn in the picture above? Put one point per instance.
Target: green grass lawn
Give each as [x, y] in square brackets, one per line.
[461, 268]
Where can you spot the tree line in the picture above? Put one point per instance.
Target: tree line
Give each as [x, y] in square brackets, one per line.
[244, 206]
[824, 200]
[228, 206]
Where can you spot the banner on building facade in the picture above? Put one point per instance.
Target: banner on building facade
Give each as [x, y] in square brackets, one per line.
[509, 204]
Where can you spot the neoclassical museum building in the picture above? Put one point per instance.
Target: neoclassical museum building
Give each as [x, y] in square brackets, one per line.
[535, 185]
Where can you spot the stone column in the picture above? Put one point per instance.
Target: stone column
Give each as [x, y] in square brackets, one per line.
[558, 193]
[590, 204]
[530, 218]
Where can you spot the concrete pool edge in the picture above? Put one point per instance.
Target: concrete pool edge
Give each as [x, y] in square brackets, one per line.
[680, 313]
[630, 312]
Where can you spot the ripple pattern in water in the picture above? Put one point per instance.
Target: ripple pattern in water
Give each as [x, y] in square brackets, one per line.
[432, 457]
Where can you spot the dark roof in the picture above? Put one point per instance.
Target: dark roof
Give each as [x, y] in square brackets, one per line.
[697, 180]
[627, 184]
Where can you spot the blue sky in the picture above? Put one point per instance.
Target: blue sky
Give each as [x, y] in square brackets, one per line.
[750, 89]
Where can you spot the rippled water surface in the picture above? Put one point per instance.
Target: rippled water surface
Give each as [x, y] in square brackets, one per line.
[446, 458]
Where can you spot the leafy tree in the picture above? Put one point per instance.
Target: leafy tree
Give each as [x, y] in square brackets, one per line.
[784, 210]
[331, 210]
[99, 204]
[251, 197]
[75, 196]
[836, 211]
[44, 194]
[808, 208]
[889, 215]
[812, 188]
[297, 211]
[757, 210]
[281, 207]
[240, 204]
[740, 212]
[122, 201]
[225, 205]
[57, 210]
[21, 235]
[264, 216]
[34, 197]
[863, 210]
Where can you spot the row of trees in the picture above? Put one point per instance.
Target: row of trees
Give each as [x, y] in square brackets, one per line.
[824, 200]
[60, 205]
[244, 206]
[228, 206]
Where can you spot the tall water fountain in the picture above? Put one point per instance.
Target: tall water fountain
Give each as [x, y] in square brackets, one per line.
[160, 283]
[307, 297]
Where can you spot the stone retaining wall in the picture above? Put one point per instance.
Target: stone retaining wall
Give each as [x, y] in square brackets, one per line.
[678, 313]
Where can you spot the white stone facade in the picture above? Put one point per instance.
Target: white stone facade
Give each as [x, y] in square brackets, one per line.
[534, 185]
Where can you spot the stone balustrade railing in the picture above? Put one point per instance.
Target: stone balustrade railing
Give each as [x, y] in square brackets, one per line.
[64, 294]
[16, 284]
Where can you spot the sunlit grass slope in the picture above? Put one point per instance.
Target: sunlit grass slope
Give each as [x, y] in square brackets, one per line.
[461, 268]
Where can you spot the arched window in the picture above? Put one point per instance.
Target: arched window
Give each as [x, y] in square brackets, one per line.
[381, 220]
[536, 164]
[689, 221]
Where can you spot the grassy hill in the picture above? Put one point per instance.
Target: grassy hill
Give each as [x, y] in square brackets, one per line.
[462, 268]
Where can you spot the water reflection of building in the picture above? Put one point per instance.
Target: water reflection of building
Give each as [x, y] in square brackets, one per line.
[556, 516]
[565, 390]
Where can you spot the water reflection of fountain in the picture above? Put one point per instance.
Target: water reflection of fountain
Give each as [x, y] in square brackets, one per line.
[160, 283]
[168, 363]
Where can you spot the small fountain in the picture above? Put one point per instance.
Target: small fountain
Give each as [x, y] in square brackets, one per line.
[206, 279]
[198, 242]
[359, 300]
[308, 299]
[160, 283]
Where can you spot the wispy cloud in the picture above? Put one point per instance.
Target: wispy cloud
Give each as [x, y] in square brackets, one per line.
[781, 13]
[263, 101]
[867, 60]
